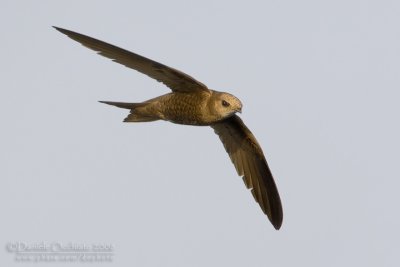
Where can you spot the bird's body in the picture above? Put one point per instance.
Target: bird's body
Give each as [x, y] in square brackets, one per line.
[192, 103]
[199, 108]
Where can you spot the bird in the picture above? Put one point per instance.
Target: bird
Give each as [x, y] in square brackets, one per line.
[193, 103]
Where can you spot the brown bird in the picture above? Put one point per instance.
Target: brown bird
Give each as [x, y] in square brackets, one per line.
[193, 103]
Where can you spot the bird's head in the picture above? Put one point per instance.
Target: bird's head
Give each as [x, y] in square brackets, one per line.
[225, 104]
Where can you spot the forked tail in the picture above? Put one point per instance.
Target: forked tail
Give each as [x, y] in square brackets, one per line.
[139, 112]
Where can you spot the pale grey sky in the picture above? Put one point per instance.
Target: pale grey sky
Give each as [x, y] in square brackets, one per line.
[319, 81]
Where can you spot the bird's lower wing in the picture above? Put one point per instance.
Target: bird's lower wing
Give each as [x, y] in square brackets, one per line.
[249, 160]
[174, 79]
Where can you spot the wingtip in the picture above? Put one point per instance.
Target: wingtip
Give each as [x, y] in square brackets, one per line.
[57, 28]
[64, 31]
[276, 218]
[277, 222]
[277, 226]
[105, 102]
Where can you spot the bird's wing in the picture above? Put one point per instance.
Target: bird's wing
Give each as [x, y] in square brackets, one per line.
[174, 79]
[250, 163]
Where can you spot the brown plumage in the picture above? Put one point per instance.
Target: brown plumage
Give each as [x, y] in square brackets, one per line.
[192, 103]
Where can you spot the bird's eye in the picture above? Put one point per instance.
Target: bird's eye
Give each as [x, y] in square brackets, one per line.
[225, 104]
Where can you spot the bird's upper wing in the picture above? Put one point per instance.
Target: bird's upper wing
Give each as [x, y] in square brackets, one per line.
[249, 160]
[174, 79]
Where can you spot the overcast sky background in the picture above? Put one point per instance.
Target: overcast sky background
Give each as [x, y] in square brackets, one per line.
[320, 84]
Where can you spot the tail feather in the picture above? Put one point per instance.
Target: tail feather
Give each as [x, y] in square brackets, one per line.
[123, 104]
[134, 117]
[138, 111]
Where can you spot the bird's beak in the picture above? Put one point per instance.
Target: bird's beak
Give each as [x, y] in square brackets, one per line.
[239, 110]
